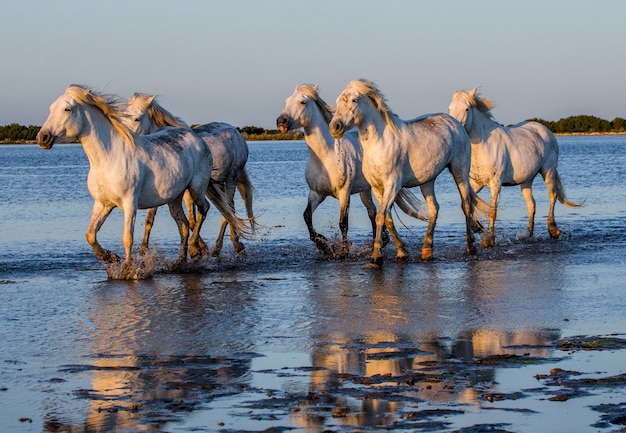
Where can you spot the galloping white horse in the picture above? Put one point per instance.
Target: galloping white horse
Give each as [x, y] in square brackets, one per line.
[399, 153]
[508, 156]
[334, 165]
[229, 151]
[130, 171]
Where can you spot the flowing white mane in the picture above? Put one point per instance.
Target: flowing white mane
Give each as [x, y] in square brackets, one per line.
[109, 105]
[369, 89]
[312, 92]
[471, 97]
[157, 114]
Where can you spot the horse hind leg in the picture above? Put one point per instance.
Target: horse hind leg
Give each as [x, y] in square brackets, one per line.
[246, 191]
[229, 193]
[468, 210]
[191, 217]
[428, 190]
[143, 248]
[550, 180]
[176, 210]
[527, 193]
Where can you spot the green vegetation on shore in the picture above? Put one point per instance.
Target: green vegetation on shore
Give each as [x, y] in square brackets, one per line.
[15, 133]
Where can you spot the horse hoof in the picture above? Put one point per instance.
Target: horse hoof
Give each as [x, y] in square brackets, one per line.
[109, 257]
[402, 259]
[239, 248]
[427, 254]
[554, 232]
[488, 241]
[375, 263]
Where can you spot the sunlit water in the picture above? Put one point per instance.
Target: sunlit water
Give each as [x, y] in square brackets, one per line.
[259, 341]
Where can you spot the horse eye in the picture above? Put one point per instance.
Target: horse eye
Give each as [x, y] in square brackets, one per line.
[136, 119]
[68, 109]
[303, 102]
[467, 109]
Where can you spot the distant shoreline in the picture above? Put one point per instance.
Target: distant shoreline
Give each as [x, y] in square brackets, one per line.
[268, 137]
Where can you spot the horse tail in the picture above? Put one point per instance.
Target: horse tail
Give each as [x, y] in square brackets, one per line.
[480, 206]
[217, 197]
[560, 192]
[246, 190]
[411, 204]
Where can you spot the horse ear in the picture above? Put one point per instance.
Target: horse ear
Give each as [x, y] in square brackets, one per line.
[474, 91]
[151, 99]
[316, 87]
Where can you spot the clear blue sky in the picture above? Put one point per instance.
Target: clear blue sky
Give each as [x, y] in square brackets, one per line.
[236, 61]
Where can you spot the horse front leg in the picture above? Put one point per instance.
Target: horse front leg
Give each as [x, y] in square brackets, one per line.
[489, 239]
[527, 193]
[320, 241]
[368, 202]
[428, 191]
[344, 210]
[130, 215]
[99, 214]
[382, 218]
[143, 248]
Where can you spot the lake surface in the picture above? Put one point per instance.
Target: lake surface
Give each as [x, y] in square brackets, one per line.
[279, 338]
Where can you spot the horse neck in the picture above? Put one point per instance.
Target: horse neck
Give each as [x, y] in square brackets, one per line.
[317, 136]
[372, 129]
[100, 141]
[481, 127]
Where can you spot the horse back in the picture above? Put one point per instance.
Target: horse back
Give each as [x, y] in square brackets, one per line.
[228, 148]
[437, 141]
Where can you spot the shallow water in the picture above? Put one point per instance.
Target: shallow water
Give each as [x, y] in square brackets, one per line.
[280, 338]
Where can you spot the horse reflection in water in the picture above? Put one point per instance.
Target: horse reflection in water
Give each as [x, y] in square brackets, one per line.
[155, 352]
[400, 344]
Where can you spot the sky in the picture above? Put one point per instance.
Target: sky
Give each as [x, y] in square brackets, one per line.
[236, 61]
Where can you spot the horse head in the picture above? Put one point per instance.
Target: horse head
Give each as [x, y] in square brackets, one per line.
[302, 109]
[464, 104]
[359, 101]
[146, 116]
[65, 119]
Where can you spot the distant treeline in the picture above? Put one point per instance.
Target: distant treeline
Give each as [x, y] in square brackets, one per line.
[585, 125]
[15, 133]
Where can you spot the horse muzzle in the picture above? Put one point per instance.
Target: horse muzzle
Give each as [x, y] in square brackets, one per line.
[337, 128]
[45, 140]
[283, 123]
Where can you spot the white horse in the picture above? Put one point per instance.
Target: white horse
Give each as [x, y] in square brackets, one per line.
[508, 156]
[130, 171]
[334, 165]
[229, 151]
[398, 153]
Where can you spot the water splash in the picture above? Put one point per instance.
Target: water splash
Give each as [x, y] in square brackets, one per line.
[141, 267]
